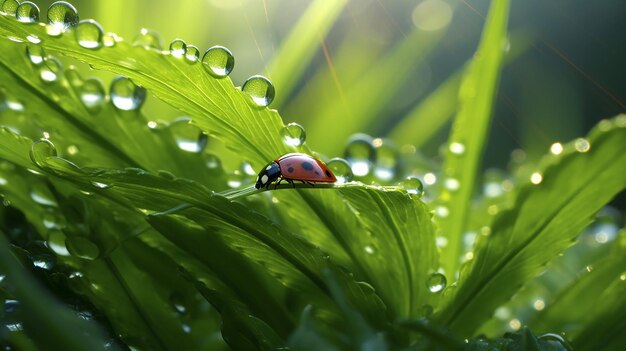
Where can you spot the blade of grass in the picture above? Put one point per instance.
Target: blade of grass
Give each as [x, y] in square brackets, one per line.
[469, 132]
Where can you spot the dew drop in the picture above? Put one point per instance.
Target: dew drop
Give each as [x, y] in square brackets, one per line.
[582, 145]
[35, 54]
[536, 178]
[219, 61]
[40, 255]
[387, 156]
[178, 48]
[56, 242]
[341, 169]
[9, 7]
[413, 186]
[555, 342]
[212, 162]
[61, 15]
[260, 89]
[41, 150]
[109, 39]
[360, 153]
[451, 184]
[369, 249]
[27, 12]
[73, 77]
[177, 304]
[457, 148]
[41, 195]
[442, 211]
[125, 95]
[92, 95]
[89, 34]
[430, 178]
[556, 148]
[192, 55]
[50, 220]
[294, 134]
[33, 39]
[147, 39]
[50, 70]
[82, 247]
[436, 282]
[235, 179]
[188, 137]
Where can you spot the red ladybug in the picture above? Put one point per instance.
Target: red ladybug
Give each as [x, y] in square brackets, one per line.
[292, 167]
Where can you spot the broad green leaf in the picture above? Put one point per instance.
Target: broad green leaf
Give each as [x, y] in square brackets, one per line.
[469, 132]
[213, 104]
[544, 221]
[297, 51]
[583, 293]
[45, 320]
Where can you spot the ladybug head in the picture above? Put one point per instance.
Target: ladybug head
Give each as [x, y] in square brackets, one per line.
[268, 175]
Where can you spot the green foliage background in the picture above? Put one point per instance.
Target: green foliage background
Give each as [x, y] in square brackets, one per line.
[115, 236]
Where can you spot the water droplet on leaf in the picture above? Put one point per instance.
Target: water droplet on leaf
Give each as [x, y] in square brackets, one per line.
[125, 95]
[27, 12]
[436, 282]
[178, 48]
[413, 186]
[218, 61]
[61, 15]
[50, 70]
[457, 148]
[147, 39]
[582, 145]
[9, 7]
[294, 135]
[360, 153]
[56, 242]
[89, 34]
[35, 54]
[41, 150]
[260, 89]
[188, 137]
[109, 39]
[192, 55]
[92, 95]
[82, 247]
[212, 162]
[341, 169]
[387, 160]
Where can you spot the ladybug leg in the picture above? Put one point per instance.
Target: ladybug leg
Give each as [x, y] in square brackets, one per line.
[278, 183]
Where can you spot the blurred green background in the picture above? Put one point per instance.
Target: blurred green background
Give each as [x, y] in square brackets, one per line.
[371, 65]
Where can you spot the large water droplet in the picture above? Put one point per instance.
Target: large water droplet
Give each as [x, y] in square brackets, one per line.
[9, 7]
[192, 55]
[387, 156]
[294, 134]
[555, 342]
[41, 150]
[260, 89]
[41, 195]
[218, 61]
[436, 282]
[188, 137]
[147, 39]
[341, 169]
[50, 70]
[412, 186]
[178, 48]
[582, 145]
[212, 162]
[360, 153]
[82, 247]
[73, 77]
[89, 34]
[35, 54]
[109, 39]
[56, 242]
[61, 15]
[457, 148]
[92, 95]
[27, 12]
[125, 95]
[40, 255]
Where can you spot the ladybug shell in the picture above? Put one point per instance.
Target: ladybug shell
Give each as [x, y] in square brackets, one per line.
[304, 167]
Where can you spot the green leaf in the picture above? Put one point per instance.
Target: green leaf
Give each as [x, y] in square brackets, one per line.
[544, 221]
[45, 320]
[469, 131]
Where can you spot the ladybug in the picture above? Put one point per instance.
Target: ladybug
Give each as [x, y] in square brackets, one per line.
[292, 167]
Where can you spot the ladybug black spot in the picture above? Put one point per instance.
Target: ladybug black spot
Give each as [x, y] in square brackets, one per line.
[307, 166]
[317, 173]
[328, 173]
[290, 169]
